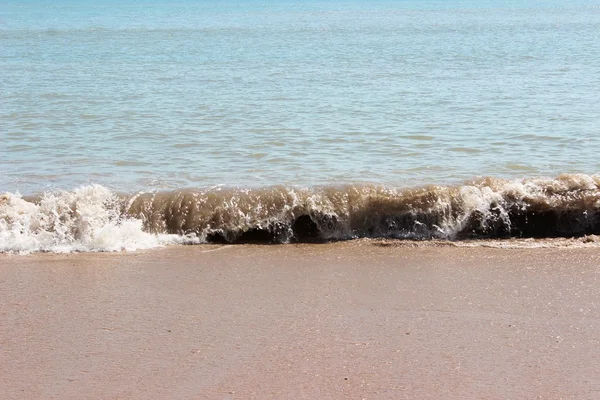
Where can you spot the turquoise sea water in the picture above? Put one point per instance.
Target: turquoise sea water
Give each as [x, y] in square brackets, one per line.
[141, 95]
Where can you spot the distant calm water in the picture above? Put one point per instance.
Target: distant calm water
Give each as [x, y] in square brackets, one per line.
[141, 95]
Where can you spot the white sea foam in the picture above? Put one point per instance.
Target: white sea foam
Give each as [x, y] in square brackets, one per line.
[85, 219]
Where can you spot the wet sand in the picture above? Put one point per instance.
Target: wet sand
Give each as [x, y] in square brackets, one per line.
[346, 320]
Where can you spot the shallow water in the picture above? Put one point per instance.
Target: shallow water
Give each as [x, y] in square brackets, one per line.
[171, 95]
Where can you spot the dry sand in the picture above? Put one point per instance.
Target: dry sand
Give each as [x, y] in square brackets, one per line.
[348, 320]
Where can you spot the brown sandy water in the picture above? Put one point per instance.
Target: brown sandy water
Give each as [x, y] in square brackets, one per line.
[342, 320]
[94, 218]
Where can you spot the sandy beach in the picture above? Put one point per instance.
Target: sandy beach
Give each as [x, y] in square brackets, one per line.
[353, 320]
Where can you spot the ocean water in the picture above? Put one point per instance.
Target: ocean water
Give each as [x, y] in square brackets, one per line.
[129, 124]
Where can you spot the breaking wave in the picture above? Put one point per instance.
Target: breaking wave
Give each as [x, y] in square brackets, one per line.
[86, 219]
[93, 218]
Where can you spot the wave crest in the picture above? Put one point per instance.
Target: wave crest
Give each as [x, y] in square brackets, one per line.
[92, 218]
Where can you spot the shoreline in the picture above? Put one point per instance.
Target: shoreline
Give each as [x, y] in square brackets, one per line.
[512, 243]
[338, 320]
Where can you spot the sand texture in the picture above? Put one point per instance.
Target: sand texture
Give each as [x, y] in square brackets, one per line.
[352, 320]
